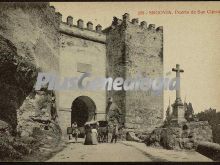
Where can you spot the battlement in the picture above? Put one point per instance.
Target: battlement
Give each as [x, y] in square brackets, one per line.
[97, 34]
[80, 25]
[134, 22]
[78, 30]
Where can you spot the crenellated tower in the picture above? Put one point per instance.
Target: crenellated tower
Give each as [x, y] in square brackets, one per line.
[133, 49]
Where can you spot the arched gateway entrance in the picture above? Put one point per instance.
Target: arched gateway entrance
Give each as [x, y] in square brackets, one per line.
[83, 110]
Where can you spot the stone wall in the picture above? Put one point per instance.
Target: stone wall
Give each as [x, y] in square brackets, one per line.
[211, 150]
[216, 134]
[144, 49]
[64, 120]
[115, 61]
[134, 49]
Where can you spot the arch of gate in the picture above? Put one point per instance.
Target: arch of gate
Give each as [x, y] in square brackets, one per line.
[83, 109]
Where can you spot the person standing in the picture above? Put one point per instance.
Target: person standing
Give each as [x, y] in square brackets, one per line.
[115, 133]
[53, 110]
[94, 135]
[88, 133]
[75, 131]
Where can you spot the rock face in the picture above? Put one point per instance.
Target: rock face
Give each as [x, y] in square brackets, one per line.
[21, 107]
[32, 27]
[28, 44]
[35, 112]
[33, 30]
[180, 137]
[17, 77]
[201, 131]
[170, 138]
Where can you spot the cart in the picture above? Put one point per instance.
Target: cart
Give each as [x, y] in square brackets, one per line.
[103, 131]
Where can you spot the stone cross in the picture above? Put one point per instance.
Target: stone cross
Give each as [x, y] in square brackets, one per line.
[178, 71]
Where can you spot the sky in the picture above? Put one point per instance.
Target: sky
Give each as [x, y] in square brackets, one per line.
[191, 40]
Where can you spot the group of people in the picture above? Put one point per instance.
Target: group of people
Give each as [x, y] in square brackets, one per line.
[91, 133]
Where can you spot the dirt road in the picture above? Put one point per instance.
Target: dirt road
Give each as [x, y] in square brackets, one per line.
[121, 152]
[77, 152]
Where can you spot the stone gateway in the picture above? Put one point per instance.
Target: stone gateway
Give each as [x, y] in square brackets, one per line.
[72, 47]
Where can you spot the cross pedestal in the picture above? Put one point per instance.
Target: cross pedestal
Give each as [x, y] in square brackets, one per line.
[178, 115]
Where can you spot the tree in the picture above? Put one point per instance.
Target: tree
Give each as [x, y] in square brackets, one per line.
[208, 115]
[189, 113]
[168, 115]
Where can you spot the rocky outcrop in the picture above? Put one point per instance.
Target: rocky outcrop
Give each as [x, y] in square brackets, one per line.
[27, 118]
[35, 114]
[17, 77]
[170, 138]
[29, 40]
[201, 130]
[180, 137]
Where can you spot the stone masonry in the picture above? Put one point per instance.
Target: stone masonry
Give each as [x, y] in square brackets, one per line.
[134, 48]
